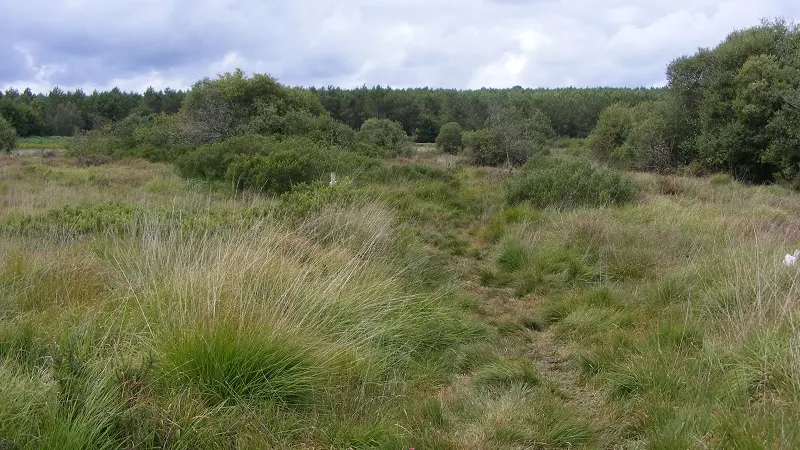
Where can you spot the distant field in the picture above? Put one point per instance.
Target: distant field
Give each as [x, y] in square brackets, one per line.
[42, 143]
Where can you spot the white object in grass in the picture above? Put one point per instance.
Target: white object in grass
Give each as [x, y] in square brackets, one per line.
[333, 179]
[791, 260]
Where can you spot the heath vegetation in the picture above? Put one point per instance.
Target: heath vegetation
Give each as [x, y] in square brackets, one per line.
[571, 268]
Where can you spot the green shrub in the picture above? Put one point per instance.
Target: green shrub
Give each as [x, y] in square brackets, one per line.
[320, 128]
[292, 162]
[520, 130]
[611, 131]
[367, 149]
[551, 182]
[93, 147]
[386, 134]
[156, 138]
[449, 138]
[483, 149]
[123, 130]
[307, 198]
[644, 137]
[8, 136]
[345, 162]
[211, 161]
[161, 138]
[237, 104]
[262, 163]
[88, 218]
[488, 147]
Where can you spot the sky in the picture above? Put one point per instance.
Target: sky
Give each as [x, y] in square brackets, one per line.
[464, 44]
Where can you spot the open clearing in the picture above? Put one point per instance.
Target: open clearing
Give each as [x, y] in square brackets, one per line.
[141, 310]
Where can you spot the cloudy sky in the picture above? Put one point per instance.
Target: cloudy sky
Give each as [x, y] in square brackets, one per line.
[97, 44]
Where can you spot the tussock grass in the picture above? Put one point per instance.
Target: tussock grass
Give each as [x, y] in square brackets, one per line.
[690, 319]
[269, 333]
[504, 372]
[141, 311]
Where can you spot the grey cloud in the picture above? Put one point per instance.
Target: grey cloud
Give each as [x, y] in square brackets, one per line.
[14, 65]
[448, 43]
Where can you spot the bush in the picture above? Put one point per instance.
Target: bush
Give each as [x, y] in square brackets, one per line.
[611, 131]
[386, 134]
[292, 162]
[211, 161]
[645, 137]
[367, 149]
[236, 104]
[304, 199]
[320, 128]
[264, 163]
[483, 149]
[519, 131]
[449, 139]
[489, 147]
[79, 219]
[161, 138]
[8, 136]
[550, 182]
[646, 147]
[156, 138]
[93, 147]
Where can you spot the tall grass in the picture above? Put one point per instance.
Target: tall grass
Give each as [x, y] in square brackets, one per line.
[322, 322]
[141, 311]
[691, 336]
[567, 184]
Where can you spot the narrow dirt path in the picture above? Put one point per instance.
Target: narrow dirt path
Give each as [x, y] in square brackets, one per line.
[522, 336]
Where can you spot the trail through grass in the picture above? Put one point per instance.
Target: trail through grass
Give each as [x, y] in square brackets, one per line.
[413, 308]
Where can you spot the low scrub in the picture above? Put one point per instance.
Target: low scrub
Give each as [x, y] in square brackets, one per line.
[8, 136]
[211, 161]
[267, 164]
[387, 135]
[552, 182]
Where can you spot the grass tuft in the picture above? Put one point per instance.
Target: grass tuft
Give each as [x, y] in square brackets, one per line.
[505, 372]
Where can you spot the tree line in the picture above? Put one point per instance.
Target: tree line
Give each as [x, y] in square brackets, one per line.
[60, 113]
[421, 112]
[573, 112]
[733, 108]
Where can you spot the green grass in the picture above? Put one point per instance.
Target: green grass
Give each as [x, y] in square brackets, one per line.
[412, 306]
[569, 183]
[42, 143]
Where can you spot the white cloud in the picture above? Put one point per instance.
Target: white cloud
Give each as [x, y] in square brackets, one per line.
[450, 43]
